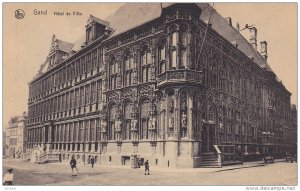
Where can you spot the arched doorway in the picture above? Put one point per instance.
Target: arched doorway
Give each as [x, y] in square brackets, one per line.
[208, 128]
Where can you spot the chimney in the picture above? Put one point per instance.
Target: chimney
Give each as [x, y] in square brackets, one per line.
[264, 49]
[229, 21]
[237, 27]
[253, 37]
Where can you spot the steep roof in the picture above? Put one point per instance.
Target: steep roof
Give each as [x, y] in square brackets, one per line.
[132, 15]
[64, 46]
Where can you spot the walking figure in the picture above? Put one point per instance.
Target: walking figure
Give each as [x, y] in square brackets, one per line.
[8, 177]
[59, 157]
[92, 161]
[73, 166]
[147, 167]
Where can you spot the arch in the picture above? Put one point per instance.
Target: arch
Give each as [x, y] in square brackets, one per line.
[172, 28]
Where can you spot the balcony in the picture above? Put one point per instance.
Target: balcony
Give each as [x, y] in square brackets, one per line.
[180, 76]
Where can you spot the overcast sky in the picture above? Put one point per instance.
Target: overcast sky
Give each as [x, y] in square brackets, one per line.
[27, 41]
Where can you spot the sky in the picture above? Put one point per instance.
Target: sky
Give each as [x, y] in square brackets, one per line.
[26, 42]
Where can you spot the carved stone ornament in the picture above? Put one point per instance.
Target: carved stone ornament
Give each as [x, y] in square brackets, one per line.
[145, 90]
[127, 93]
[171, 121]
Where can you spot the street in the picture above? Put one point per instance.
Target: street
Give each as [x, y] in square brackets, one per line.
[276, 174]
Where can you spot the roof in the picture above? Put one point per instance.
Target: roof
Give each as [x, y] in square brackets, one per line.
[64, 46]
[125, 18]
[97, 20]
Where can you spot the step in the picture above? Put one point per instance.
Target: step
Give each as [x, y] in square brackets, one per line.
[210, 159]
[232, 162]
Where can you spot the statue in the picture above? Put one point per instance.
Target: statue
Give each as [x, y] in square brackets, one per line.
[103, 125]
[134, 124]
[184, 119]
[118, 125]
[153, 122]
[171, 121]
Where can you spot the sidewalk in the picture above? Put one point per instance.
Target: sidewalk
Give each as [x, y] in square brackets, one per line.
[99, 168]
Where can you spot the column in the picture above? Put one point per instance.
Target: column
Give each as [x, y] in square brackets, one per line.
[176, 115]
[189, 111]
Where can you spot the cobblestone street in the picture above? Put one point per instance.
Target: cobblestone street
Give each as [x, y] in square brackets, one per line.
[256, 173]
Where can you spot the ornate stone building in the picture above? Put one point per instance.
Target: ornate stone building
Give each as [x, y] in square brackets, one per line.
[178, 87]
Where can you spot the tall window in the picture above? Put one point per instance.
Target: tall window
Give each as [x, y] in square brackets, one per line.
[127, 111]
[144, 111]
[81, 96]
[129, 65]
[87, 94]
[93, 93]
[93, 130]
[230, 81]
[162, 57]
[99, 90]
[113, 74]
[173, 49]
[146, 61]
[183, 48]
[111, 127]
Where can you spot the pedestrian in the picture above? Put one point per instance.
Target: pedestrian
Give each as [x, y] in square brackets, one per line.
[73, 166]
[59, 157]
[147, 167]
[8, 177]
[92, 161]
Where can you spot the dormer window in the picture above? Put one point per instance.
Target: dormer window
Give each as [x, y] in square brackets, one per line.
[96, 28]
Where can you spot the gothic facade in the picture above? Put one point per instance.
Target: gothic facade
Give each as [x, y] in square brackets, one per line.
[169, 90]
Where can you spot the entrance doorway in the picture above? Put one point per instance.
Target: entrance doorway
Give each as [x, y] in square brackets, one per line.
[126, 160]
[207, 138]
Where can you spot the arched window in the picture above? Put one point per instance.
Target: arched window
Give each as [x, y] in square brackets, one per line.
[173, 49]
[127, 117]
[183, 48]
[129, 65]
[111, 127]
[144, 114]
[113, 74]
[146, 61]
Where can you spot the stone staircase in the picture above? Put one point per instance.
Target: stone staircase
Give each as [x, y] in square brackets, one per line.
[210, 160]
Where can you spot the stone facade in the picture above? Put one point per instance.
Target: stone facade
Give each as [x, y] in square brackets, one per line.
[166, 91]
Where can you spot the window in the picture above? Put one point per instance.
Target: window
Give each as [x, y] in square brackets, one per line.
[127, 112]
[99, 90]
[81, 96]
[111, 127]
[183, 47]
[113, 75]
[87, 94]
[146, 60]
[93, 92]
[129, 65]
[162, 58]
[144, 111]
[173, 49]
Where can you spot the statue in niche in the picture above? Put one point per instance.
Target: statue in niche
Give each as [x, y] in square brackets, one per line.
[103, 125]
[153, 122]
[171, 121]
[118, 125]
[134, 76]
[183, 119]
[171, 107]
[134, 124]
[162, 106]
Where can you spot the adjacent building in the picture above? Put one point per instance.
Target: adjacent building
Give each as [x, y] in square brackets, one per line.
[172, 87]
[16, 135]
